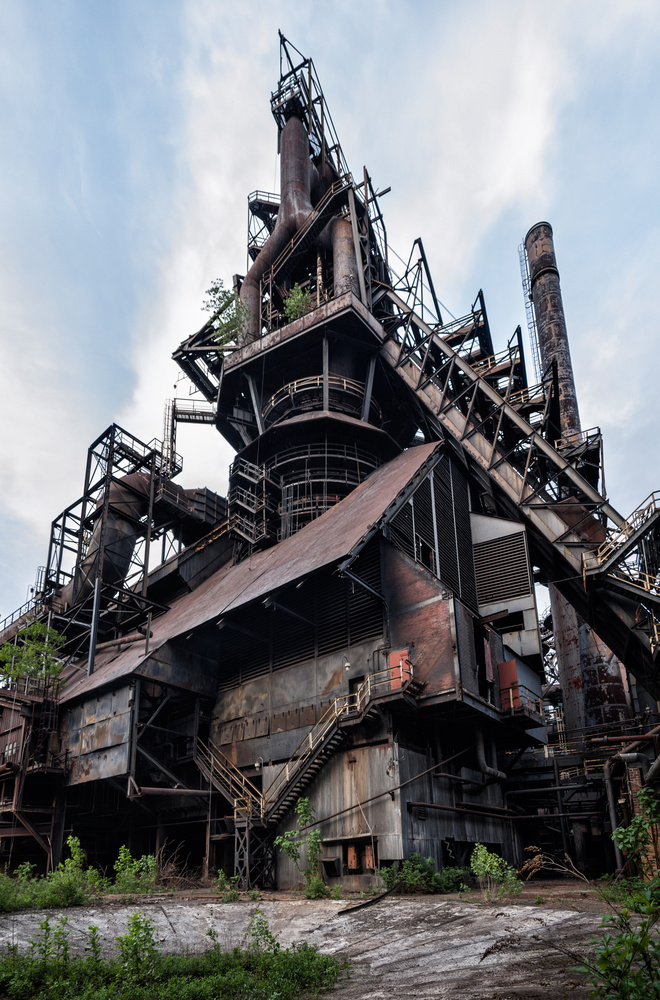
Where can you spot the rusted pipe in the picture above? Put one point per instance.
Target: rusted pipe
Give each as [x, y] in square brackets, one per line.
[124, 640]
[295, 182]
[485, 768]
[343, 257]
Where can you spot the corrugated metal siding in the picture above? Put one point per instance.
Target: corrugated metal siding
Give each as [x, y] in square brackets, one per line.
[502, 569]
[338, 613]
[444, 492]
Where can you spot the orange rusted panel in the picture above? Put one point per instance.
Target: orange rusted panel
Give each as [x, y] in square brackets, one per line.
[400, 669]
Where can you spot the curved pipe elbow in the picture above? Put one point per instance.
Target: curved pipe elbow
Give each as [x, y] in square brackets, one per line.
[296, 177]
[491, 772]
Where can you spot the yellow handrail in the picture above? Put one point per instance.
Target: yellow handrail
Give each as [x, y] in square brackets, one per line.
[247, 799]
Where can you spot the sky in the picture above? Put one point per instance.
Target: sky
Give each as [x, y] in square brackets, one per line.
[133, 130]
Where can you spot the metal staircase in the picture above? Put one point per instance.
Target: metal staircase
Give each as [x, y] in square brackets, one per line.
[255, 809]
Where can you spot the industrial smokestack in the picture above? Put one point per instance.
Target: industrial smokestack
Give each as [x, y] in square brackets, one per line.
[551, 322]
[589, 673]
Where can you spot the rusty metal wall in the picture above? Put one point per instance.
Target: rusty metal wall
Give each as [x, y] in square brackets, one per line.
[99, 732]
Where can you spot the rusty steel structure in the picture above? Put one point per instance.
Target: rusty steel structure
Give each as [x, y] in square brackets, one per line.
[356, 621]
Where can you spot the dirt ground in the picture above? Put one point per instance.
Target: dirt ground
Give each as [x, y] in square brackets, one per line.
[421, 948]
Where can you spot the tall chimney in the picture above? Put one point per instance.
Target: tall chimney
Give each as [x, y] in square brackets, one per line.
[589, 673]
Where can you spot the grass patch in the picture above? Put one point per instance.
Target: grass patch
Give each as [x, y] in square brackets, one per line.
[260, 971]
[73, 883]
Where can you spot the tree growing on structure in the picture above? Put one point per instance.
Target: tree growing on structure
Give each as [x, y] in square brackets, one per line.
[34, 652]
[229, 316]
[297, 303]
[294, 843]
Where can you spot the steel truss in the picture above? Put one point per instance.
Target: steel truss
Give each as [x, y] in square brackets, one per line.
[571, 520]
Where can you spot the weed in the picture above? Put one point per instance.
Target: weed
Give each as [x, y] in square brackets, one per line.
[496, 878]
[336, 892]
[254, 894]
[134, 874]
[420, 875]
[231, 896]
[139, 972]
[293, 844]
[259, 935]
[539, 900]
[138, 950]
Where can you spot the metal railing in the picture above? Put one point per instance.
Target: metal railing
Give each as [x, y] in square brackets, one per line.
[620, 535]
[248, 800]
[216, 767]
[392, 677]
[336, 383]
[518, 699]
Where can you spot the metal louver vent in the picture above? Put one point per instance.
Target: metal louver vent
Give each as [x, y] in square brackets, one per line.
[502, 569]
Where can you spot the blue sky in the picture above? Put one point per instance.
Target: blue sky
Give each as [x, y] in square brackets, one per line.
[133, 130]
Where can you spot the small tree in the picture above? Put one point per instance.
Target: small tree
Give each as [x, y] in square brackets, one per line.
[229, 313]
[293, 843]
[495, 876]
[297, 303]
[34, 653]
[639, 840]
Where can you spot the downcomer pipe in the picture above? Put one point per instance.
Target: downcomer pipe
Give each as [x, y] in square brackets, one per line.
[485, 768]
[296, 171]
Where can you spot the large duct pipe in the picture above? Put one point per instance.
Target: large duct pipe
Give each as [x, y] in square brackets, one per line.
[128, 501]
[296, 172]
[343, 257]
[551, 322]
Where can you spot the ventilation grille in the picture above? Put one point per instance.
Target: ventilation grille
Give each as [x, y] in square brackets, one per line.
[325, 615]
[433, 528]
[502, 569]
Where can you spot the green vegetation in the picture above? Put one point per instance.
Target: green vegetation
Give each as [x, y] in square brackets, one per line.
[629, 892]
[261, 971]
[229, 888]
[134, 874]
[33, 653]
[639, 840]
[73, 883]
[496, 878]
[294, 844]
[420, 875]
[229, 315]
[626, 962]
[297, 303]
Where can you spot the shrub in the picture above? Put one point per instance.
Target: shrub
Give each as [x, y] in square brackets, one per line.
[496, 878]
[134, 874]
[297, 303]
[229, 313]
[420, 875]
[627, 956]
[293, 843]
